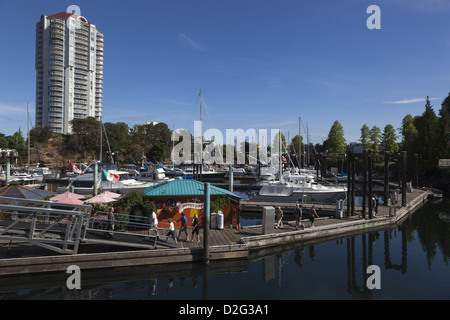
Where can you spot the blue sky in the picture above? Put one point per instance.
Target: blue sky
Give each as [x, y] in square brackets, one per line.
[260, 64]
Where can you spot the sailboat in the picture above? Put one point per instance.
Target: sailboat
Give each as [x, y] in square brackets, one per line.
[207, 173]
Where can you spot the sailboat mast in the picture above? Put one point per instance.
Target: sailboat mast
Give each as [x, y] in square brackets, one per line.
[201, 117]
[300, 142]
[280, 172]
[28, 129]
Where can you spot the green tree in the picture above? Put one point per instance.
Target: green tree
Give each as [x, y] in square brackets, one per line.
[388, 141]
[443, 130]
[409, 134]
[85, 137]
[3, 143]
[117, 139]
[375, 140]
[17, 141]
[365, 136]
[40, 135]
[336, 142]
[426, 140]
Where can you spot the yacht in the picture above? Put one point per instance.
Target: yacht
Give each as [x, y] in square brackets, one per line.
[157, 174]
[299, 187]
[84, 183]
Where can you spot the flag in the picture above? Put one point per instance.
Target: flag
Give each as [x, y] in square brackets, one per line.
[73, 168]
[110, 176]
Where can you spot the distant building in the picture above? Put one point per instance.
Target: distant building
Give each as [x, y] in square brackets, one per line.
[69, 71]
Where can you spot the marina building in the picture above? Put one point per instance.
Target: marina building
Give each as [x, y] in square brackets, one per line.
[69, 71]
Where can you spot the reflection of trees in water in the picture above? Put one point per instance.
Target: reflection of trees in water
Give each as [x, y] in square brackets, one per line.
[432, 232]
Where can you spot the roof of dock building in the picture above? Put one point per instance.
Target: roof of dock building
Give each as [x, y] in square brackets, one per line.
[185, 187]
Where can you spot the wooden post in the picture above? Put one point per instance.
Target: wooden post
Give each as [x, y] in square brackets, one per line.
[404, 178]
[230, 179]
[363, 212]
[8, 173]
[386, 179]
[206, 219]
[349, 156]
[95, 178]
[322, 165]
[369, 160]
[416, 170]
[353, 184]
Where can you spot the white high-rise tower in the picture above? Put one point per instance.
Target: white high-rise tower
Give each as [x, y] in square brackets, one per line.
[69, 71]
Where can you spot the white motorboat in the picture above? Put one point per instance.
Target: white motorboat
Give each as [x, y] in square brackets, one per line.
[84, 183]
[153, 175]
[299, 187]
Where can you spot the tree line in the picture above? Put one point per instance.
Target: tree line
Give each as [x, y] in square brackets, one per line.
[427, 135]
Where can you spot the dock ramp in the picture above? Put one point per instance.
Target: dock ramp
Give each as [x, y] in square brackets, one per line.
[62, 227]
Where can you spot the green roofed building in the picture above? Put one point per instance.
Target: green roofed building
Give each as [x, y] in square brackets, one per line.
[186, 196]
[185, 187]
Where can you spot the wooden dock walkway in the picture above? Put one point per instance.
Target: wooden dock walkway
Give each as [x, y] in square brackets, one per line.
[225, 244]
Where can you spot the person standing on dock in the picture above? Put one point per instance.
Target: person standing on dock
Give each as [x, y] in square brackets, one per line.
[279, 215]
[111, 218]
[298, 213]
[312, 215]
[171, 231]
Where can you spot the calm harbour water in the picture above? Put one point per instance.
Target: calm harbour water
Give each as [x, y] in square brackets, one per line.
[413, 258]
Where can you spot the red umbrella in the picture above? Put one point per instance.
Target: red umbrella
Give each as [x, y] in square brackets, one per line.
[71, 200]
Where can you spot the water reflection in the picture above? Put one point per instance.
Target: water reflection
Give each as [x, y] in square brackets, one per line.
[413, 258]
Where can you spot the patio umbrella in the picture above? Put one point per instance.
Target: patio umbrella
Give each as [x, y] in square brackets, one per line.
[101, 198]
[112, 194]
[67, 195]
[70, 200]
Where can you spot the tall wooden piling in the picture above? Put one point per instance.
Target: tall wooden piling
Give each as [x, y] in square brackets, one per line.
[369, 162]
[95, 179]
[416, 170]
[349, 155]
[363, 211]
[230, 179]
[353, 184]
[386, 179]
[8, 173]
[206, 226]
[404, 178]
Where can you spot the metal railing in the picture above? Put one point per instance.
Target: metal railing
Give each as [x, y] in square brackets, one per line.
[51, 225]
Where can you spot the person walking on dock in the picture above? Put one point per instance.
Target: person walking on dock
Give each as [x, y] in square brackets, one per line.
[111, 218]
[171, 231]
[183, 226]
[153, 224]
[298, 213]
[312, 215]
[279, 215]
[195, 229]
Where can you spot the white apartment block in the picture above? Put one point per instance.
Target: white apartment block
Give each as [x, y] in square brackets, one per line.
[69, 71]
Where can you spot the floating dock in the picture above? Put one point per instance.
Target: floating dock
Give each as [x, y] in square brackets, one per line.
[226, 244]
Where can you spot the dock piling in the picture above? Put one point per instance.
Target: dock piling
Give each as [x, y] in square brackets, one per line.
[207, 219]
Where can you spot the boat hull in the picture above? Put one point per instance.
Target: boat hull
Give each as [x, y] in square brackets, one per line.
[303, 197]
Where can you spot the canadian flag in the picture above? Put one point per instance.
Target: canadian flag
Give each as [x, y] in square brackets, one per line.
[110, 176]
[73, 168]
